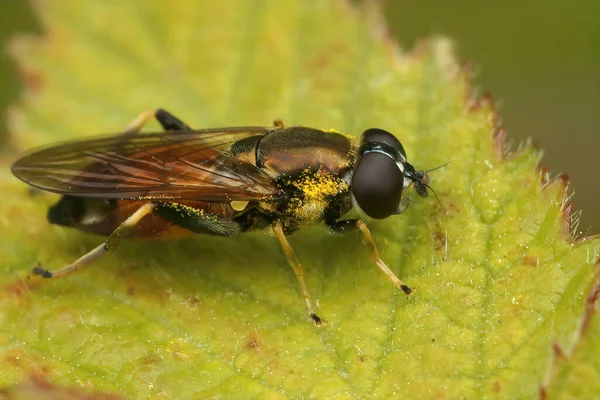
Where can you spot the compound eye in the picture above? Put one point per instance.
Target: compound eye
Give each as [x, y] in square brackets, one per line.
[376, 135]
[377, 185]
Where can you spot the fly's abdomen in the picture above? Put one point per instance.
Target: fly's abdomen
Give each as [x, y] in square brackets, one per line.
[102, 217]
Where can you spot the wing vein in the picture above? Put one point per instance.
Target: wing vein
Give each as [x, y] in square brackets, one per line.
[191, 164]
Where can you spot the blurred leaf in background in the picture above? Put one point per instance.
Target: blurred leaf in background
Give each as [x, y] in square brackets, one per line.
[16, 17]
[541, 61]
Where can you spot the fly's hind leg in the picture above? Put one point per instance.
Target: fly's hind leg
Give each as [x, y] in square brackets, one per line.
[348, 225]
[168, 121]
[297, 267]
[109, 245]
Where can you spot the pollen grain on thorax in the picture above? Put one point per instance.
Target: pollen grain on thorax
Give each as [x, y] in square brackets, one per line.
[319, 185]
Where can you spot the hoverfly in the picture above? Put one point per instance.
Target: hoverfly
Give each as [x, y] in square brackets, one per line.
[222, 182]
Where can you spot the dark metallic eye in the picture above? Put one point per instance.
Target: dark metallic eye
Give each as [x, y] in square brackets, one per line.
[377, 185]
[376, 135]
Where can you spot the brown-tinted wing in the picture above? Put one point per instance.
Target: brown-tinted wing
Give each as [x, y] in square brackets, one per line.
[167, 165]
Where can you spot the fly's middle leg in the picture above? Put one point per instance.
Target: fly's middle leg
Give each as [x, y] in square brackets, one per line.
[297, 267]
[109, 245]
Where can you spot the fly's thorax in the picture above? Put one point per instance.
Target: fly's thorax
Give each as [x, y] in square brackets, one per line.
[308, 196]
[245, 149]
[317, 190]
[308, 165]
[289, 151]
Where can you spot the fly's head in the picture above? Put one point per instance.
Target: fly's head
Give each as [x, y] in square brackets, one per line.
[381, 174]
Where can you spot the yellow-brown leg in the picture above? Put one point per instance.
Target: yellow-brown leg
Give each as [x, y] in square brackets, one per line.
[109, 245]
[377, 259]
[297, 267]
[138, 122]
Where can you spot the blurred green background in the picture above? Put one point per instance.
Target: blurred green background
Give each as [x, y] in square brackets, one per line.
[540, 60]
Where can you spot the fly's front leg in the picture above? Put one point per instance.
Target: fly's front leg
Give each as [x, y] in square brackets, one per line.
[297, 267]
[168, 121]
[349, 225]
[110, 244]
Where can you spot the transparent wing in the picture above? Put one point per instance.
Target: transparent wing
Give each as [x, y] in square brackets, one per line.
[166, 165]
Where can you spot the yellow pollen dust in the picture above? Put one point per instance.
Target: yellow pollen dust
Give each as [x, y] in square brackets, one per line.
[316, 187]
[189, 210]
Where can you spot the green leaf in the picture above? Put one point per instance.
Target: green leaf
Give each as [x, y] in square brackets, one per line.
[39, 390]
[575, 371]
[499, 280]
